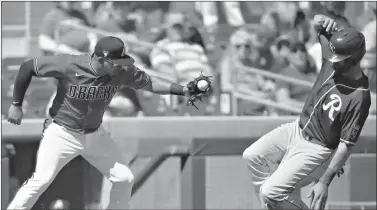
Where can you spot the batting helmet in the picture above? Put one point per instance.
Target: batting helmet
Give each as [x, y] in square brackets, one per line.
[344, 44]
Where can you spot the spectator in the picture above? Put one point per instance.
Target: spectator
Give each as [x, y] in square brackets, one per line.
[113, 17]
[180, 54]
[261, 40]
[281, 50]
[194, 37]
[209, 13]
[301, 67]
[301, 27]
[368, 63]
[279, 18]
[174, 55]
[336, 10]
[71, 41]
[240, 51]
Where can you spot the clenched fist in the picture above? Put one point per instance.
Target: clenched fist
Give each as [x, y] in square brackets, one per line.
[15, 114]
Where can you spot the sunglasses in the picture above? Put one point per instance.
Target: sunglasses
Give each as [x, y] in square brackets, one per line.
[297, 48]
[246, 46]
[177, 26]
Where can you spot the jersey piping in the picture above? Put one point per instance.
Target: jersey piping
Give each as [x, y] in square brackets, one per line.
[310, 117]
[91, 66]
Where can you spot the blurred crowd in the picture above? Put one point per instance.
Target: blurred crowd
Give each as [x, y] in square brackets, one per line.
[215, 38]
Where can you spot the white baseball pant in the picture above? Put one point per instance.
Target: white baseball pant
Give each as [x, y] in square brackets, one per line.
[282, 162]
[59, 146]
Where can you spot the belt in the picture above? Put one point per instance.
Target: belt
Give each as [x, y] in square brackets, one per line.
[308, 138]
[84, 131]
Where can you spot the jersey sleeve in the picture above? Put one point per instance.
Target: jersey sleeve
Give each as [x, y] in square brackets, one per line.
[51, 66]
[136, 78]
[354, 121]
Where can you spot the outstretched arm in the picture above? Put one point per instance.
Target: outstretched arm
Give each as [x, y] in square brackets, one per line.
[162, 86]
[139, 79]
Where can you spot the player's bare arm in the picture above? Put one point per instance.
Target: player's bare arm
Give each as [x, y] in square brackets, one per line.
[319, 192]
[21, 84]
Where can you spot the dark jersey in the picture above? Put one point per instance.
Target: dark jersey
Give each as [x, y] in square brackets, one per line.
[337, 107]
[82, 96]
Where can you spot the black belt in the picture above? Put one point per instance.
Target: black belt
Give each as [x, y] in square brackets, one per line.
[307, 137]
[84, 131]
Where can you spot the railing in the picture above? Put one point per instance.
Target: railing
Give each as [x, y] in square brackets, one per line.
[22, 27]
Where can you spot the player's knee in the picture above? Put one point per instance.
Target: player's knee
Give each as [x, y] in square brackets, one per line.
[249, 154]
[269, 194]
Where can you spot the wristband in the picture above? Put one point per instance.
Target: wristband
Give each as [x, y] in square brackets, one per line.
[176, 89]
[17, 103]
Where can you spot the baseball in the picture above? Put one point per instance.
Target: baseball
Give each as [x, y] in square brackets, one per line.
[202, 85]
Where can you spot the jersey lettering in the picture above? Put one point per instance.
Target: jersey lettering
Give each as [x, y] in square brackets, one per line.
[354, 132]
[72, 91]
[100, 92]
[107, 92]
[83, 92]
[335, 100]
[91, 93]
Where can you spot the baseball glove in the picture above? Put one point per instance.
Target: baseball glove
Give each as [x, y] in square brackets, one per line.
[197, 92]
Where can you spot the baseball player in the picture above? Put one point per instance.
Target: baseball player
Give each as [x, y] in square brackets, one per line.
[315, 146]
[86, 85]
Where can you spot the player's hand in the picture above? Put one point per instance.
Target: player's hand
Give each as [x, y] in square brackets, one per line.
[15, 114]
[330, 25]
[318, 195]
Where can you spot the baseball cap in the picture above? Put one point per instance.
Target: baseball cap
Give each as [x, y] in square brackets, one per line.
[113, 49]
[174, 19]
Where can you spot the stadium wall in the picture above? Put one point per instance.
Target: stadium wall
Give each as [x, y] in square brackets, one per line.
[228, 185]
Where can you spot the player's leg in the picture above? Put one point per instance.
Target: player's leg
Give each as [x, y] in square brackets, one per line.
[264, 156]
[304, 162]
[103, 153]
[56, 149]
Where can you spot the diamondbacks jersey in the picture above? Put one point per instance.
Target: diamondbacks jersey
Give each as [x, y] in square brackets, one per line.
[337, 107]
[82, 96]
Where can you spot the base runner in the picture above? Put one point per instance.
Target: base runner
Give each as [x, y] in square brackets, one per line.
[86, 85]
[316, 146]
